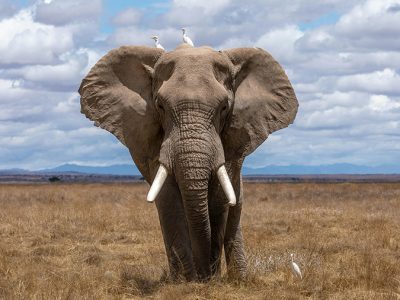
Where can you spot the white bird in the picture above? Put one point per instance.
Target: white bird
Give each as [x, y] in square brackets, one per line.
[186, 39]
[295, 268]
[157, 42]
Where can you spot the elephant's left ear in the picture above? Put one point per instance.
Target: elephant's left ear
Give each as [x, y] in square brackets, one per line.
[264, 101]
[117, 95]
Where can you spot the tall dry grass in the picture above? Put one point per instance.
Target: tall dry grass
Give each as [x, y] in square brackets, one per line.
[101, 241]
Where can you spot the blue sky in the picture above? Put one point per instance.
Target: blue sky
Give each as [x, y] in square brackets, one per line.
[342, 57]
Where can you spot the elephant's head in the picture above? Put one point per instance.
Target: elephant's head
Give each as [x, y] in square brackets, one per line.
[187, 112]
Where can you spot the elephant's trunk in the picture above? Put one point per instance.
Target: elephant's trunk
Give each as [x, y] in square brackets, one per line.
[193, 170]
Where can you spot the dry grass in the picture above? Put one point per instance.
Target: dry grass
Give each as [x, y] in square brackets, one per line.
[103, 241]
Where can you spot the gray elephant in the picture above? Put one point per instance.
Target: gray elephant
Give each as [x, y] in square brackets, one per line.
[189, 117]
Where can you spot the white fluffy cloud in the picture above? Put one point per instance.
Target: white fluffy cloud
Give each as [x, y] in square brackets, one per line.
[184, 12]
[24, 41]
[281, 42]
[61, 12]
[128, 17]
[372, 19]
[208, 7]
[384, 81]
[382, 103]
[65, 75]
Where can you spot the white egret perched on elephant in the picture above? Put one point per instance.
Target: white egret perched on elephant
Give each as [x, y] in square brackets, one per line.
[185, 38]
[157, 42]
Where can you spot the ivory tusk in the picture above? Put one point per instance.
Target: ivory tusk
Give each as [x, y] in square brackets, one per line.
[226, 185]
[157, 183]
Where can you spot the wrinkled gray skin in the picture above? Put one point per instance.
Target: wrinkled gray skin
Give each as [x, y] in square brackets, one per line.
[192, 110]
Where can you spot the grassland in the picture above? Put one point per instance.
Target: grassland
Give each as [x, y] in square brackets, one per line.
[102, 241]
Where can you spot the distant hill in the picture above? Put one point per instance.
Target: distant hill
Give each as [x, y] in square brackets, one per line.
[14, 171]
[111, 170]
[131, 169]
[322, 169]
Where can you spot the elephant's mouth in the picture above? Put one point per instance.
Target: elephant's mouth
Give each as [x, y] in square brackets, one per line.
[222, 175]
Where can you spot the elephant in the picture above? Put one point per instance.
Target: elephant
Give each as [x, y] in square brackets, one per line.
[189, 117]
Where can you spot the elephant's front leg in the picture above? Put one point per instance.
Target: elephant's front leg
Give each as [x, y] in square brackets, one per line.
[233, 243]
[175, 231]
[218, 211]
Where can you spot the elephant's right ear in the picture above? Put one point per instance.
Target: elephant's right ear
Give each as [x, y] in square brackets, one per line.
[264, 101]
[117, 96]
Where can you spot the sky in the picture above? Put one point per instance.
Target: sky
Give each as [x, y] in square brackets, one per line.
[342, 57]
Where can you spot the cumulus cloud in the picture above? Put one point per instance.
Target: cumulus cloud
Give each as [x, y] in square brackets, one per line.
[63, 76]
[6, 8]
[371, 18]
[384, 81]
[281, 43]
[369, 25]
[185, 12]
[383, 103]
[60, 12]
[128, 17]
[27, 42]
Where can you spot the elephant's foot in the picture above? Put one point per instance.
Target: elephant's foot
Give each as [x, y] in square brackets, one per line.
[216, 268]
[237, 267]
[181, 268]
[233, 245]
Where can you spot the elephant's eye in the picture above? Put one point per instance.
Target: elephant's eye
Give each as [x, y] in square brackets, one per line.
[224, 108]
[159, 106]
[224, 111]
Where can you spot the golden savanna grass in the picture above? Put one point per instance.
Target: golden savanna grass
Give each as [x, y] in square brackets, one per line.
[103, 241]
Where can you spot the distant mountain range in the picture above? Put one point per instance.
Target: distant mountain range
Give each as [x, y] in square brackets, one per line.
[322, 169]
[112, 170]
[131, 169]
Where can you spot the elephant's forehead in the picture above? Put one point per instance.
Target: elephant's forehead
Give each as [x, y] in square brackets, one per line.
[194, 59]
[190, 73]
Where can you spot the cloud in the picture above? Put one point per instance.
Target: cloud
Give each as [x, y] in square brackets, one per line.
[383, 103]
[27, 42]
[384, 81]
[317, 40]
[127, 17]
[281, 43]
[64, 76]
[60, 12]
[371, 19]
[6, 8]
[370, 25]
[42, 145]
[185, 12]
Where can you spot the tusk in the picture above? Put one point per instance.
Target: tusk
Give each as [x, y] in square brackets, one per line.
[226, 185]
[157, 183]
